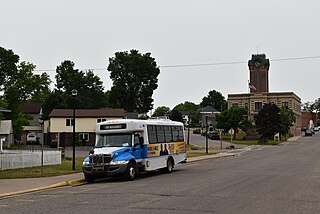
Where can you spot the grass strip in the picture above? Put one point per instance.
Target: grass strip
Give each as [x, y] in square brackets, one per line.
[48, 171]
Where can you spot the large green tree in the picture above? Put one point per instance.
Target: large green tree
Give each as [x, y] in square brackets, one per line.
[287, 119]
[193, 109]
[214, 99]
[161, 111]
[234, 118]
[8, 65]
[24, 86]
[19, 85]
[41, 90]
[176, 115]
[89, 87]
[56, 99]
[135, 77]
[268, 121]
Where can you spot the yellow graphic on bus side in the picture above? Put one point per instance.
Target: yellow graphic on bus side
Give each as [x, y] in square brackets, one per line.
[166, 148]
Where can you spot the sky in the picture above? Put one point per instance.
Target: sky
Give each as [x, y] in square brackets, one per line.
[199, 45]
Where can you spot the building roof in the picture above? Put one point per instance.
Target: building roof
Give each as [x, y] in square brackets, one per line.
[270, 94]
[91, 113]
[31, 108]
[208, 109]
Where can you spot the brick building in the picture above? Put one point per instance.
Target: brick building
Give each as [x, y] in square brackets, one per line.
[259, 93]
[306, 117]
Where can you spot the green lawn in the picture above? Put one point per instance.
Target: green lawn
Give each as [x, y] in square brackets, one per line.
[35, 172]
[240, 139]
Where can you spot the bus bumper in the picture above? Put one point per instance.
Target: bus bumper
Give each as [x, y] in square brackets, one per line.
[105, 170]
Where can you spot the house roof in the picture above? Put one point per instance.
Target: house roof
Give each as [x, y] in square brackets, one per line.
[208, 109]
[93, 113]
[185, 113]
[31, 108]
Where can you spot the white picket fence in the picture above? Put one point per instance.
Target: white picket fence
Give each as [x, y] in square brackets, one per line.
[13, 159]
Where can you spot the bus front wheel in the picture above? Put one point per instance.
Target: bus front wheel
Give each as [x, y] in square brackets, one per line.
[131, 171]
[89, 178]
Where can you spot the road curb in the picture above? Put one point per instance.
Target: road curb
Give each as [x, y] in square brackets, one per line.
[62, 184]
[206, 157]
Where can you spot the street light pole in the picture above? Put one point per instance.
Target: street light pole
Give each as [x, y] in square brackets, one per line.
[74, 94]
[206, 133]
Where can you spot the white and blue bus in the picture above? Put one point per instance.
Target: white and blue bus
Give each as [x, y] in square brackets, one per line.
[128, 146]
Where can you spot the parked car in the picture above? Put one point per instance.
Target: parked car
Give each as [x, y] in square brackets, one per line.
[213, 136]
[316, 129]
[32, 138]
[197, 131]
[308, 132]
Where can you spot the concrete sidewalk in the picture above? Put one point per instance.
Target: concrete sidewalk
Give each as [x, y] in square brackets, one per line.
[10, 187]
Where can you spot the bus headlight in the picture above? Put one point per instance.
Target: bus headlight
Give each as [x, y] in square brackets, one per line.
[86, 162]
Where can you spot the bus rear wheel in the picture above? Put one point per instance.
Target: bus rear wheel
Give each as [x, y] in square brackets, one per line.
[169, 167]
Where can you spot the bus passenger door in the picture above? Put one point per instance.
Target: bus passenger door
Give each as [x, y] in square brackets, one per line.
[137, 149]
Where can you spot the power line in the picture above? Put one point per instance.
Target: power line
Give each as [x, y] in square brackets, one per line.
[296, 58]
[232, 63]
[202, 64]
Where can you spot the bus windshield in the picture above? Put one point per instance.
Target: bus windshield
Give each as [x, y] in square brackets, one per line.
[114, 140]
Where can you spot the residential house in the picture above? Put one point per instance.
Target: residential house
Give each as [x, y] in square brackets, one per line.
[34, 112]
[185, 117]
[59, 126]
[208, 116]
[6, 133]
[6, 130]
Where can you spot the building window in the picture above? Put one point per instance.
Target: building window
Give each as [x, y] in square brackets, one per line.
[246, 105]
[84, 136]
[69, 122]
[99, 120]
[235, 104]
[285, 104]
[257, 106]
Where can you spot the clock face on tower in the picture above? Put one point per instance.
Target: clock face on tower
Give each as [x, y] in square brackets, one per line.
[257, 64]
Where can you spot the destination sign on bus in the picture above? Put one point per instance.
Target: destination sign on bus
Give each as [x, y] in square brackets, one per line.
[113, 126]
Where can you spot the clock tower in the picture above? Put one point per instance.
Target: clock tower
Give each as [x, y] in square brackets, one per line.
[259, 73]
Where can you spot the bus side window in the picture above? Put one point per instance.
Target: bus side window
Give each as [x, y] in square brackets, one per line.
[152, 134]
[167, 134]
[175, 133]
[181, 136]
[160, 134]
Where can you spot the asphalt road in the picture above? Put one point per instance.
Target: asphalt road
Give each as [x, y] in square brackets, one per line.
[270, 179]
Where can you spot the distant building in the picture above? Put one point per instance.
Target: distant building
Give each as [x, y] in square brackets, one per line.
[185, 117]
[34, 111]
[259, 93]
[6, 132]
[208, 116]
[59, 126]
[306, 117]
